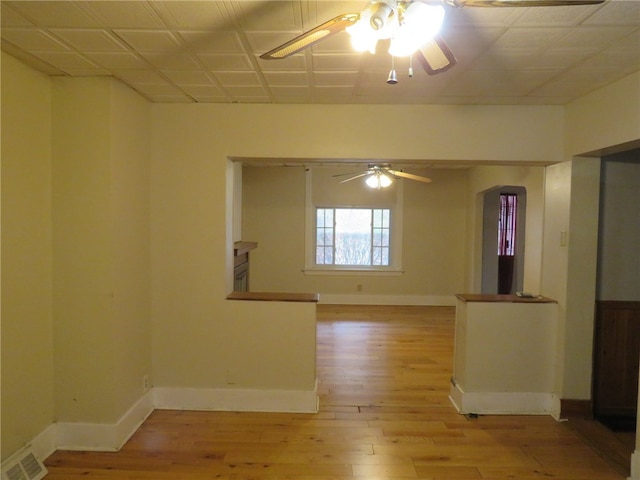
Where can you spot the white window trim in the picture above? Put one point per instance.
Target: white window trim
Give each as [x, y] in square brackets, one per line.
[395, 267]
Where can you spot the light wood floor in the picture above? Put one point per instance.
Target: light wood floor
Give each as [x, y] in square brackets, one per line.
[384, 415]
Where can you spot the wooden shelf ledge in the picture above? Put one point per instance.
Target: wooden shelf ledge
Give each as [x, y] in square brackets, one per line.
[274, 297]
[240, 248]
[481, 297]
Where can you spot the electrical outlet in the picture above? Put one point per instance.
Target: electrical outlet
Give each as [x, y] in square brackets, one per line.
[145, 383]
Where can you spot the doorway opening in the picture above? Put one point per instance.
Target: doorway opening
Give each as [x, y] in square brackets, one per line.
[503, 234]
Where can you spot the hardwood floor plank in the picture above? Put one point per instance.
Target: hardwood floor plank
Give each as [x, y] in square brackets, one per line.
[385, 414]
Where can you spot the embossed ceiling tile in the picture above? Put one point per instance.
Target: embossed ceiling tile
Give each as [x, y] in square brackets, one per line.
[168, 98]
[561, 16]
[65, 60]
[238, 78]
[202, 90]
[11, 18]
[175, 61]
[616, 12]
[263, 41]
[211, 42]
[332, 91]
[139, 76]
[594, 37]
[55, 14]
[499, 83]
[135, 15]
[506, 60]
[335, 78]
[340, 61]
[218, 62]
[563, 87]
[286, 78]
[560, 59]
[188, 77]
[319, 12]
[150, 40]
[157, 89]
[245, 91]
[289, 91]
[33, 40]
[125, 60]
[488, 17]
[193, 15]
[528, 39]
[292, 63]
[280, 15]
[90, 40]
[471, 39]
[87, 72]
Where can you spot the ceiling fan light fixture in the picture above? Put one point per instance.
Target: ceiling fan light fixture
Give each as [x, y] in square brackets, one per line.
[378, 180]
[381, 13]
[377, 22]
[420, 23]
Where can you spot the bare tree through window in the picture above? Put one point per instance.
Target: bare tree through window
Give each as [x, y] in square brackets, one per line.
[353, 236]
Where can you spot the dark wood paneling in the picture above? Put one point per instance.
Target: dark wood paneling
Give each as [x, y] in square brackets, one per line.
[616, 358]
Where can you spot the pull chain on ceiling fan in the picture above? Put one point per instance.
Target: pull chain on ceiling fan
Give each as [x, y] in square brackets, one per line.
[411, 26]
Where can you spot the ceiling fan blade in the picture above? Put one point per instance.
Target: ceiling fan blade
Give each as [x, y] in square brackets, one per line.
[435, 56]
[349, 173]
[335, 25]
[521, 3]
[410, 176]
[360, 175]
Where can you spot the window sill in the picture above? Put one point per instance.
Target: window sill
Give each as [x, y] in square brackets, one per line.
[391, 272]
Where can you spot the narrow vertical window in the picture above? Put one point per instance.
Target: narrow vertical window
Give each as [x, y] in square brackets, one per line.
[324, 236]
[380, 242]
[507, 224]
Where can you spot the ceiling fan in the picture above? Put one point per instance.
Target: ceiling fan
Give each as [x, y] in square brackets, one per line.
[411, 26]
[381, 176]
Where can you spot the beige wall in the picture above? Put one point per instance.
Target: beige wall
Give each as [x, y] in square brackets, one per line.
[432, 237]
[27, 331]
[131, 251]
[198, 337]
[605, 118]
[100, 248]
[485, 178]
[192, 230]
[602, 120]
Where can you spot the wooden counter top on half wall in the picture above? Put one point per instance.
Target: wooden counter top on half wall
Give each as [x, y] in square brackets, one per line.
[480, 297]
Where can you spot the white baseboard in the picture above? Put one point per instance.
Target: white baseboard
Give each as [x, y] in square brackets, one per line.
[503, 403]
[111, 437]
[635, 466]
[372, 299]
[104, 437]
[236, 399]
[46, 442]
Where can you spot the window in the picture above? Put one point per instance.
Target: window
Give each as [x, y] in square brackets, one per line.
[353, 236]
[351, 229]
[507, 224]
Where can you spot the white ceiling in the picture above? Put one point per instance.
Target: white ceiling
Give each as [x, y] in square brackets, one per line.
[208, 51]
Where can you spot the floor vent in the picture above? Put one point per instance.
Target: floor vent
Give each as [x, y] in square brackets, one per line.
[24, 465]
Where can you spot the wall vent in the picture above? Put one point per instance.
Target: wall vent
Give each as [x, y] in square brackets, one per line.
[24, 465]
